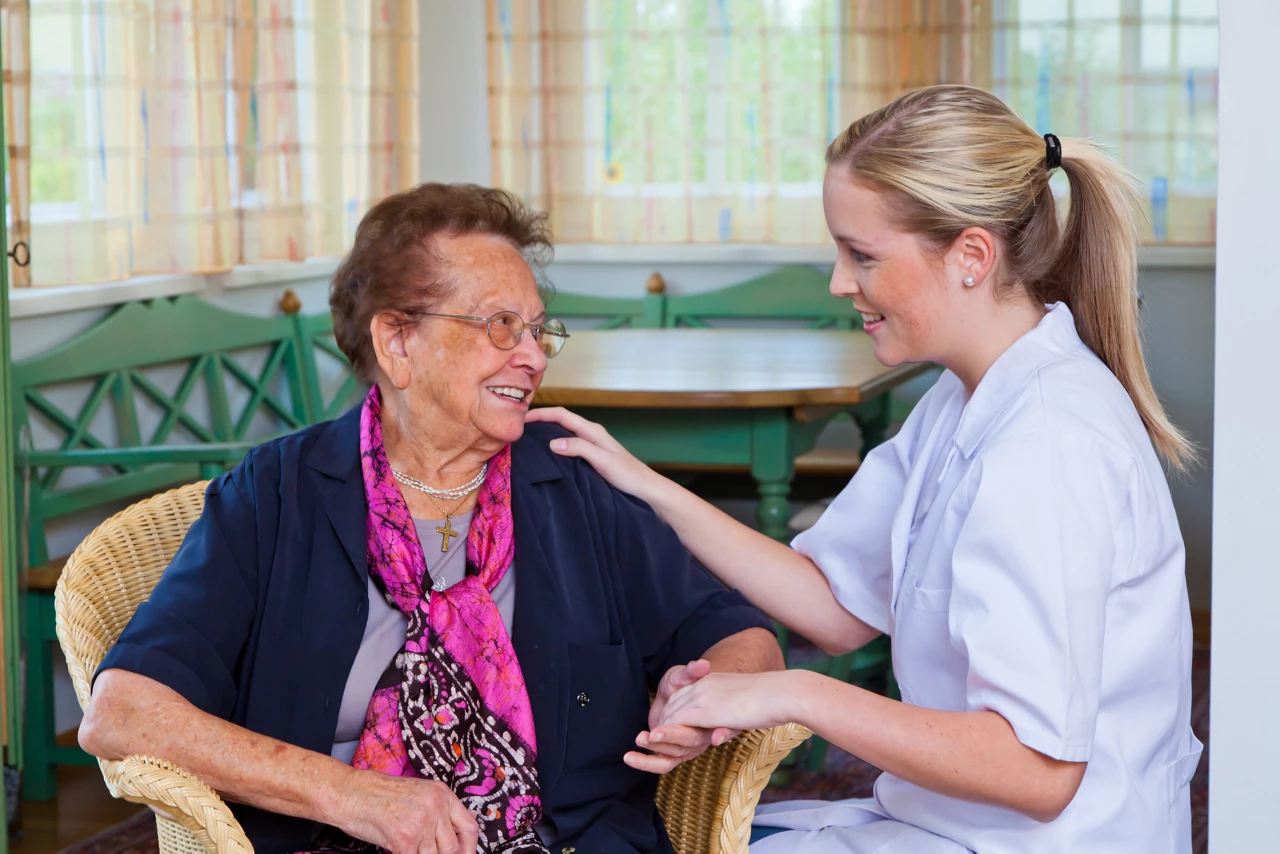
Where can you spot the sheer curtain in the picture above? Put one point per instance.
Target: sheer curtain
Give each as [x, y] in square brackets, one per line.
[194, 135]
[705, 121]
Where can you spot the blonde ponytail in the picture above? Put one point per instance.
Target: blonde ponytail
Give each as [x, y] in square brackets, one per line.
[955, 157]
[1096, 274]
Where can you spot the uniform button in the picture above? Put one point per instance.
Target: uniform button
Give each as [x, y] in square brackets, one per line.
[583, 699]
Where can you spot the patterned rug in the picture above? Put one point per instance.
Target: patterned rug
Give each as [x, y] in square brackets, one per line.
[842, 776]
[846, 776]
[135, 835]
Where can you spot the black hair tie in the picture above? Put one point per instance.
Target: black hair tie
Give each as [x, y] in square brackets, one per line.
[1052, 151]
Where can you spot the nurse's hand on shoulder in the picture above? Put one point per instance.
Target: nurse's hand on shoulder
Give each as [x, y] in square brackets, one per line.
[673, 745]
[593, 443]
[407, 815]
[738, 701]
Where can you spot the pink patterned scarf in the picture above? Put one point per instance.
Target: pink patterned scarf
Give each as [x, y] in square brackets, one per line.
[457, 710]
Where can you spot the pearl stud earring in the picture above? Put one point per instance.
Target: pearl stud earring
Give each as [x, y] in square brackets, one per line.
[969, 281]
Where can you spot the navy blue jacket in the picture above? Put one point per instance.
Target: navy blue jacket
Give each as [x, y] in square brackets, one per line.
[259, 617]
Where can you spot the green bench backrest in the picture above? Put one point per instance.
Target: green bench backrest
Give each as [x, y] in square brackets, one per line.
[315, 332]
[609, 312]
[798, 292]
[71, 398]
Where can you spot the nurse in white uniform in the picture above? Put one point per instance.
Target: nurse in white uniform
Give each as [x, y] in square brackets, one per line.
[1016, 538]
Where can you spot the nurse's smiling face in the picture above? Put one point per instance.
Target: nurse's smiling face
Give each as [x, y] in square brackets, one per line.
[906, 293]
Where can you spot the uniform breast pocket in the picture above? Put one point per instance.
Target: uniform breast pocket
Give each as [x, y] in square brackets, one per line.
[921, 641]
[606, 710]
[929, 598]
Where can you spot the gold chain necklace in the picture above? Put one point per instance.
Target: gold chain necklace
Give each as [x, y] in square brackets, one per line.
[446, 531]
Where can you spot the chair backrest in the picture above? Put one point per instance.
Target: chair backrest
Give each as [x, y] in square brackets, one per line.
[798, 293]
[113, 571]
[151, 375]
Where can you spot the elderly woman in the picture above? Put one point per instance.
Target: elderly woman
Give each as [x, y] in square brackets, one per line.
[415, 628]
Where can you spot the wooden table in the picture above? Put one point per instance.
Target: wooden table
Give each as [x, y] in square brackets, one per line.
[756, 398]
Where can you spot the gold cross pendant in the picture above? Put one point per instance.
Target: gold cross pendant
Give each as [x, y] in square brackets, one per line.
[446, 533]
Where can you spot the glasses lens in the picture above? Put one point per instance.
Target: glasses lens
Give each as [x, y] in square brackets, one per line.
[553, 337]
[505, 329]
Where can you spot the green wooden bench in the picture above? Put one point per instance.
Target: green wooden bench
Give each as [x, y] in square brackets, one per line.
[156, 395]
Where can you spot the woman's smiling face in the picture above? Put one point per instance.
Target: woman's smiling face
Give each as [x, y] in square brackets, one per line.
[467, 389]
[887, 273]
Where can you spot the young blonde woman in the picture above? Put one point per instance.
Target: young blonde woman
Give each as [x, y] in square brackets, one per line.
[1016, 538]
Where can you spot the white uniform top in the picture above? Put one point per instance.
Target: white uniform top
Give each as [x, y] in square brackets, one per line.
[1022, 551]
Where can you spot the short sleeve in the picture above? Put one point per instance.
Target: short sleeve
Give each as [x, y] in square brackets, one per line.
[1049, 526]
[850, 543]
[190, 633]
[678, 609]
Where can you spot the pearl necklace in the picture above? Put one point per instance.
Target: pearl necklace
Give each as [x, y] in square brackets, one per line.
[447, 494]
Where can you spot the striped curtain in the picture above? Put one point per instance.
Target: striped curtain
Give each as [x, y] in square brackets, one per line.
[178, 136]
[705, 121]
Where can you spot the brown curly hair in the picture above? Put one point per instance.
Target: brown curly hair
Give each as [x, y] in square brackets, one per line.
[393, 265]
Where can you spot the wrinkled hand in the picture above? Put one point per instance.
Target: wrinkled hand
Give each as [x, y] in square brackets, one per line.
[593, 443]
[407, 815]
[739, 701]
[673, 745]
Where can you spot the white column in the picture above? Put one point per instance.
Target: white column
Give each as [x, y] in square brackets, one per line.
[454, 88]
[1245, 691]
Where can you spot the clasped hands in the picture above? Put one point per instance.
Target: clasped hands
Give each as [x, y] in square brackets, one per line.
[692, 710]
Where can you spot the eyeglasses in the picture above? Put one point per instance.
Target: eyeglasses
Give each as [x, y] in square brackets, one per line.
[506, 328]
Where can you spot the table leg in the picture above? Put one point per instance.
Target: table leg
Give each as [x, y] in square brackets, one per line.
[775, 510]
[873, 418]
[772, 466]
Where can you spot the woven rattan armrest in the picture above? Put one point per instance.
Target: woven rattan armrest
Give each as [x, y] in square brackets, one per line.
[707, 804]
[179, 797]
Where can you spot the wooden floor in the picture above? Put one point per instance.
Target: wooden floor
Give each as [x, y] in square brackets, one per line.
[83, 807]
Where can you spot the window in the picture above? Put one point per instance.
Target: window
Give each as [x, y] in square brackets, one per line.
[706, 120]
[194, 135]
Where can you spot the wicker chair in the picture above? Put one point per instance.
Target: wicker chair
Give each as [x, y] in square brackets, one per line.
[707, 804]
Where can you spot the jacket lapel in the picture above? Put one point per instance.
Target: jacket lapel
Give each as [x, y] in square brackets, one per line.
[336, 455]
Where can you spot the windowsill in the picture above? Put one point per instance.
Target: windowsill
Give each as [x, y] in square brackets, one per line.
[33, 302]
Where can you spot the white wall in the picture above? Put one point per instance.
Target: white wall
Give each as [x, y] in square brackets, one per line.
[454, 123]
[1244, 787]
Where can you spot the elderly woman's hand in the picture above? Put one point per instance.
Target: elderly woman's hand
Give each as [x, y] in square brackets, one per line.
[407, 815]
[593, 443]
[672, 745]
